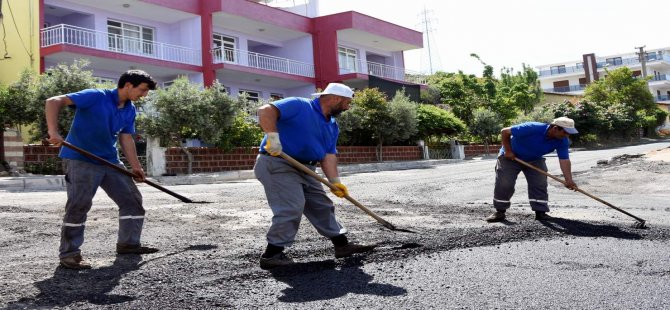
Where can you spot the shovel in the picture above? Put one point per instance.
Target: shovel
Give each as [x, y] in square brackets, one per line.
[304, 169]
[126, 172]
[640, 222]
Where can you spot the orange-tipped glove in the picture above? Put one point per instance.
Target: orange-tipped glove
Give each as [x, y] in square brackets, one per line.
[342, 190]
[273, 144]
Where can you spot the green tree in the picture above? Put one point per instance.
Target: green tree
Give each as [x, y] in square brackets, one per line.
[59, 80]
[485, 125]
[519, 91]
[373, 120]
[404, 115]
[434, 123]
[625, 100]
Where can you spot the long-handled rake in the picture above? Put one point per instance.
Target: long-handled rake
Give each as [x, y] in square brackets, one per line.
[304, 169]
[128, 173]
[640, 222]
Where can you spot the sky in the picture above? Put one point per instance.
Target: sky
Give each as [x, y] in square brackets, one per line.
[509, 33]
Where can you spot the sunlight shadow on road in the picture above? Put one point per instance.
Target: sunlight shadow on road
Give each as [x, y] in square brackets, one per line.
[324, 280]
[71, 286]
[68, 287]
[584, 229]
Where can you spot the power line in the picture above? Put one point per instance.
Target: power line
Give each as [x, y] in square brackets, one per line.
[17, 32]
[426, 25]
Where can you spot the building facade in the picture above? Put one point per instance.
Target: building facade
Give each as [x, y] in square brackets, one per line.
[572, 77]
[267, 49]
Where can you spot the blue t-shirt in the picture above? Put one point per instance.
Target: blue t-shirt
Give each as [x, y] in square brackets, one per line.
[530, 142]
[97, 124]
[304, 132]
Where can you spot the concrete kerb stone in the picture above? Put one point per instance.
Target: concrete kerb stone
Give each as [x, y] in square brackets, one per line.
[33, 183]
[57, 182]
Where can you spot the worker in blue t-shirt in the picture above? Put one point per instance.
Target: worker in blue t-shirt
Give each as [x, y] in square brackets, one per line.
[308, 134]
[530, 142]
[102, 117]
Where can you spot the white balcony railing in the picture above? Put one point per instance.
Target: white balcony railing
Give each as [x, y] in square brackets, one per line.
[73, 35]
[262, 61]
[384, 71]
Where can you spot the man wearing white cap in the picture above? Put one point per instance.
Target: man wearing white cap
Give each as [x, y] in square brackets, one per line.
[308, 134]
[530, 142]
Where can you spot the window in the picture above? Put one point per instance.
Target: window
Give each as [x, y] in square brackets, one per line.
[252, 95]
[224, 48]
[616, 61]
[129, 38]
[347, 58]
[558, 69]
[104, 80]
[579, 65]
[168, 84]
[275, 97]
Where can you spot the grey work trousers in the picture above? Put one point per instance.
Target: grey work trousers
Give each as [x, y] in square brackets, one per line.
[290, 194]
[83, 179]
[506, 174]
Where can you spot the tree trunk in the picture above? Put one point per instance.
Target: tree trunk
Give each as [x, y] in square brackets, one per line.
[379, 151]
[189, 156]
[2, 147]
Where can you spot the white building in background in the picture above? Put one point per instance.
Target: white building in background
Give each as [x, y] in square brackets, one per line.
[571, 77]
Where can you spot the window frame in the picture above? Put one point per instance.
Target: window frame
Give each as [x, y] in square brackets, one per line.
[225, 53]
[347, 53]
[121, 42]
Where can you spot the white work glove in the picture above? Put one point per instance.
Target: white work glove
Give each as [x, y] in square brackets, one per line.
[342, 190]
[273, 144]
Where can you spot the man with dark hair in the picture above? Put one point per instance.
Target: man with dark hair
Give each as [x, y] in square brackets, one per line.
[530, 142]
[102, 118]
[308, 134]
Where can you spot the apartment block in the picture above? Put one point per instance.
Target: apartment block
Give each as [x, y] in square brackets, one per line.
[268, 49]
[571, 77]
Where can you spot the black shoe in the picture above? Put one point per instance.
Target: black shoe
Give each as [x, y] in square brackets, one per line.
[351, 249]
[496, 217]
[75, 262]
[542, 216]
[134, 249]
[279, 259]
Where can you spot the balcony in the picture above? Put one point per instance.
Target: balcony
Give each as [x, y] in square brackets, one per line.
[262, 61]
[561, 70]
[566, 89]
[662, 98]
[77, 36]
[384, 71]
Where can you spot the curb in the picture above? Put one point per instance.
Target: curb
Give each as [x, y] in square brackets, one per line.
[33, 183]
[57, 182]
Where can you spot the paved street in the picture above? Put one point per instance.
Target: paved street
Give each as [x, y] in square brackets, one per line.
[589, 256]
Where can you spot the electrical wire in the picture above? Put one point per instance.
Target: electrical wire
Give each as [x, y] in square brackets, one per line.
[17, 31]
[4, 40]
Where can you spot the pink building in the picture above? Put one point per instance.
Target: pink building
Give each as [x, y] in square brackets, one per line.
[260, 47]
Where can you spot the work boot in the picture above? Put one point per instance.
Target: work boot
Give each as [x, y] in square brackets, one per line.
[497, 216]
[351, 249]
[134, 249]
[279, 259]
[75, 262]
[542, 216]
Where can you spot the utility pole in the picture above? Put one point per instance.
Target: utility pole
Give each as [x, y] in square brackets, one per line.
[427, 27]
[642, 56]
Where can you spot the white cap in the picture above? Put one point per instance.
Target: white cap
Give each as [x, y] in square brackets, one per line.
[336, 89]
[566, 123]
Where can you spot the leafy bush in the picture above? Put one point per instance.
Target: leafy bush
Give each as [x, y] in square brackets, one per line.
[435, 123]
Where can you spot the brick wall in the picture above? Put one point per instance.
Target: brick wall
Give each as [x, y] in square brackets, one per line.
[367, 154]
[480, 149]
[215, 160]
[40, 159]
[13, 148]
[209, 159]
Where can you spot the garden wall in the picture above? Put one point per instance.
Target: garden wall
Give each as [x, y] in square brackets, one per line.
[44, 159]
